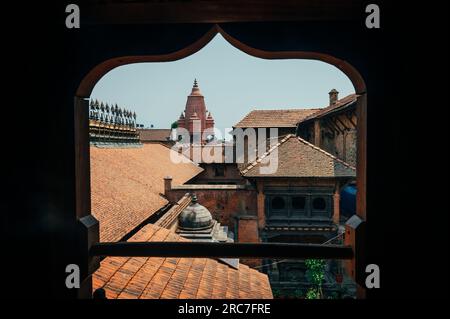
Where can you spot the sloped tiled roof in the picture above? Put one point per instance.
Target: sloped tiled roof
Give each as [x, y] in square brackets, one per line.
[340, 104]
[274, 118]
[154, 135]
[176, 278]
[126, 184]
[299, 158]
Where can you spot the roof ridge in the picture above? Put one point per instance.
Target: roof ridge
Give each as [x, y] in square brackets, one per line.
[286, 138]
[339, 103]
[154, 129]
[325, 152]
[288, 116]
[289, 109]
[173, 212]
[267, 153]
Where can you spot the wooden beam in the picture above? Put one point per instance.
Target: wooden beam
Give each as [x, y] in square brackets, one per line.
[82, 158]
[350, 116]
[344, 118]
[221, 250]
[217, 11]
[328, 126]
[317, 133]
[342, 123]
[335, 122]
[337, 128]
[328, 129]
[361, 162]
[336, 204]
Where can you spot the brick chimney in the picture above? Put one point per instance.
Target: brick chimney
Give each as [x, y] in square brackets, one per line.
[167, 185]
[333, 96]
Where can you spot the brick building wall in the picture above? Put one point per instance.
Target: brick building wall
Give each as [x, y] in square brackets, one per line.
[247, 232]
[247, 229]
[231, 205]
[225, 202]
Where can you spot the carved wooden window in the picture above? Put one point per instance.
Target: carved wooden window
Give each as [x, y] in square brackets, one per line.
[278, 203]
[321, 207]
[299, 205]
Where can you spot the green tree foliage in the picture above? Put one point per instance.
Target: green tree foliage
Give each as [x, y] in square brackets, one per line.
[316, 274]
[312, 293]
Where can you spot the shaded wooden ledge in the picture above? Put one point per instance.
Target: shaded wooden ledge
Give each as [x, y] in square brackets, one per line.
[221, 250]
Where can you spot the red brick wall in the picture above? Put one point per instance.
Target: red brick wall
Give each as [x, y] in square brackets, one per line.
[248, 233]
[224, 205]
[248, 230]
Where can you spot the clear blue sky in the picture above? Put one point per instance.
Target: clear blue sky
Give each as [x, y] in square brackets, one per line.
[232, 82]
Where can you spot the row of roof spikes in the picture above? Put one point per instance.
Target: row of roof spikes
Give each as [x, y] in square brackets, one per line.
[96, 106]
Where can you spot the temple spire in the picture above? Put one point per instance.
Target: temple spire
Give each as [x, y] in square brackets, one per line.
[195, 112]
[195, 89]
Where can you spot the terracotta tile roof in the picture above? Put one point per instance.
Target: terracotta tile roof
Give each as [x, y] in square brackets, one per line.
[274, 118]
[299, 158]
[176, 278]
[339, 105]
[126, 184]
[154, 135]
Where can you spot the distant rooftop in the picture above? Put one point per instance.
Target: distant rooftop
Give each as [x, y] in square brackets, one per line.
[274, 118]
[291, 117]
[154, 135]
[341, 104]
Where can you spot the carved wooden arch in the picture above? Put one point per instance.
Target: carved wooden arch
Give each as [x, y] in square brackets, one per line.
[85, 88]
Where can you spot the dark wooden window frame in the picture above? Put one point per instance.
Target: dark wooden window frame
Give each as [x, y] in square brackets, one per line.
[327, 212]
[299, 211]
[309, 213]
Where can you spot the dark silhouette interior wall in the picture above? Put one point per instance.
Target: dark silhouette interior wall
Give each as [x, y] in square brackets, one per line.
[46, 64]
